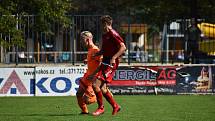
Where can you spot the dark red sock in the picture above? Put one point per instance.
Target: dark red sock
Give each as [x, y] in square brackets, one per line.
[99, 99]
[108, 96]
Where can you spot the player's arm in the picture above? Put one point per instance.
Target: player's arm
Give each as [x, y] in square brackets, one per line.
[91, 76]
[85, 61]
[97, 59]
[121, 45]
[121, 51]
[99, 53]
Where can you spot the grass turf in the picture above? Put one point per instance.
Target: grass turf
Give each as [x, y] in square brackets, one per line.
[134, 108]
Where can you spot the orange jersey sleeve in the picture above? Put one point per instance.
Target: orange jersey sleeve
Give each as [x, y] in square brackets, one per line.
[93, 62]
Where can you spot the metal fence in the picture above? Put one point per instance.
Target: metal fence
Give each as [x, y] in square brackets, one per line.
[62, 46]
[189, 40]
[143, 46]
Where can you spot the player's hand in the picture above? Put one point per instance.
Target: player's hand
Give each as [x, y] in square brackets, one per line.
[109, 28]
[112, 61]
[85, 61]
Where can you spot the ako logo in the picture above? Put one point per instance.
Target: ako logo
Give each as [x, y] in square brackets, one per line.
[13, 79]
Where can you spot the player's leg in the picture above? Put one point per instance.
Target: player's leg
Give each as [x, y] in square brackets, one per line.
[80, 100]
[108, 96]
[89, 95]
[96, 87]
[108, 73]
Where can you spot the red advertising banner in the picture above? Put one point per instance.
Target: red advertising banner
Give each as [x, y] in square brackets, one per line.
[144, 80]
[135, 76]
[166, 75]
[166, 82]
[145, 76]
[133, 83]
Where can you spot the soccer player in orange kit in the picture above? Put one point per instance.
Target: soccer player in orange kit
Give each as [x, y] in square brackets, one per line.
[85, 94]
[112, 48]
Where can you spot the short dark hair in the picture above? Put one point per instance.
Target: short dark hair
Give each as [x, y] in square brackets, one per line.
[106, 19]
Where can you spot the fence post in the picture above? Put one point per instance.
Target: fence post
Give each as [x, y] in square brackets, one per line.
[73, 39]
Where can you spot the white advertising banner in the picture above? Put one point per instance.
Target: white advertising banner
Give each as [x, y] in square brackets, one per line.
[57, 81]
[17, 82]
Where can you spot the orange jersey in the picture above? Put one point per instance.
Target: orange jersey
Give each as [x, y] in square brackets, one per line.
[92, 62]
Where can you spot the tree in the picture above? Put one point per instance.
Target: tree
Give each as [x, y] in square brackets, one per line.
[47, 12]
[151, 11]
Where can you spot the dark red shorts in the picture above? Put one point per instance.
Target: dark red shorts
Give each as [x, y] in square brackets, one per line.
[106, 73]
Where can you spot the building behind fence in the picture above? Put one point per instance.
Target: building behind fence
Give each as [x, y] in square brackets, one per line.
[144, 46]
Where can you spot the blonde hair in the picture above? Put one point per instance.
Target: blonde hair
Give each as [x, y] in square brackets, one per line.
[86, 34]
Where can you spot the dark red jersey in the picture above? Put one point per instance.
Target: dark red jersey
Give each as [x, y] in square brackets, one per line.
[111, 43]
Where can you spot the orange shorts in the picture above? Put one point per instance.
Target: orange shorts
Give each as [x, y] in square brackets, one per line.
[84, 81]
[89, 96]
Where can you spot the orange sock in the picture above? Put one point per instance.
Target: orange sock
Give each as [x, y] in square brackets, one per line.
[82, 105]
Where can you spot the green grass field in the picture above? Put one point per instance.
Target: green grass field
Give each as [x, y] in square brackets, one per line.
[134, 108]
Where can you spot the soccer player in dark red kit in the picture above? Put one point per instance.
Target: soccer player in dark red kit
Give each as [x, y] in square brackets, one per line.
[112, 48]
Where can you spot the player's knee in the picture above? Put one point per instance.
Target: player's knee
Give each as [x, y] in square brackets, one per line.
[104, 90]
[95, 87]
[79, 93]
